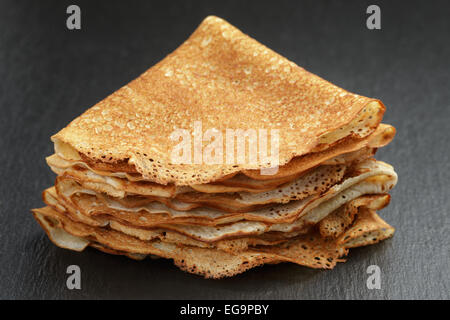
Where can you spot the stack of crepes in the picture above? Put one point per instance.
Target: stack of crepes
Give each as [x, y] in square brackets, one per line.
[119, 191]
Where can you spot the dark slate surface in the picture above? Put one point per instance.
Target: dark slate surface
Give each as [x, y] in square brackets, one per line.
[49, 75]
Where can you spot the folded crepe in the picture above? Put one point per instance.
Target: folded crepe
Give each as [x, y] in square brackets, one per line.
[119, 190]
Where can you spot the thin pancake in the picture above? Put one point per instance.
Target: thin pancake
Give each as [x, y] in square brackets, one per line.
[315, 182]
[368, 229]
[343, 153]
[282, 213]
[222, 72]
[252, 228]
[381, 137]
[310, 250]
[167, 235]
[334, 224]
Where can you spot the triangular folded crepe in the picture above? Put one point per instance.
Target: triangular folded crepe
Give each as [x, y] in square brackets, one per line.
[222, 72]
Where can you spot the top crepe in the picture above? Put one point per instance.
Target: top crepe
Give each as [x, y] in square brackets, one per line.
[226, 80]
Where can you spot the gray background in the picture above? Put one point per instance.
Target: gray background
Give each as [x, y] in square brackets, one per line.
[49, 75]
